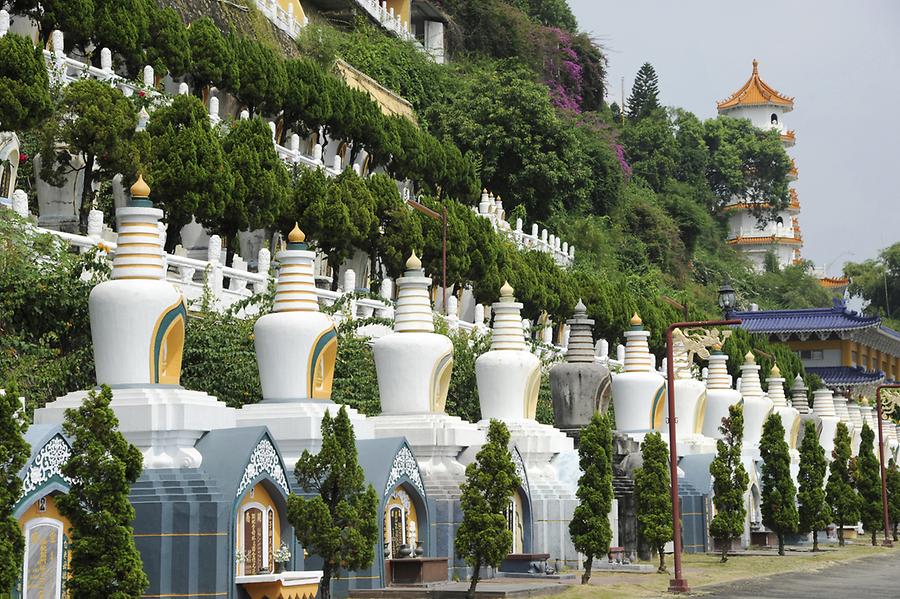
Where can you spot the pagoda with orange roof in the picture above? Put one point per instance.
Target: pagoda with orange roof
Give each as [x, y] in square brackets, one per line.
[764, 106]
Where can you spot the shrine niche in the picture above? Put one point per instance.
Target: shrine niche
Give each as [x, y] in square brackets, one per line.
[258, 533]
[401, 525]
[515, 522]
[46, 566]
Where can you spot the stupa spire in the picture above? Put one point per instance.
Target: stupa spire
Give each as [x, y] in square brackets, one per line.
[139, 251]
[581, 341]
[637, 351]
[718, 370]
[823, 402]
[295, 290]
[413, 311]
[508, 333]
[750, 385]
[798, 395]
[776, 387]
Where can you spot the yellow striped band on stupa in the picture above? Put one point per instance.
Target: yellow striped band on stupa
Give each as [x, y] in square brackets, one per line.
[508, 333]
[637, 351]
[750, 385]
[295, 290]
[139, 251]
[718, 377]
[413, 314]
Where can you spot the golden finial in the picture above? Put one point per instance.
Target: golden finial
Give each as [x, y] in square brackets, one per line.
[296, 235]
[775, 373]
[717, 347]
[636, 320]
[413, 263]
[863, 401]
[506, 292]
[140, 189]
[750, 358]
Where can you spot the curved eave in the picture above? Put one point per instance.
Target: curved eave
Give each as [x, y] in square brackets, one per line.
[767, 240]
[756, 92]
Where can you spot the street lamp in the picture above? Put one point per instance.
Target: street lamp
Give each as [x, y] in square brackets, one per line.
[726, 297]
[679, 584]
[892, 402]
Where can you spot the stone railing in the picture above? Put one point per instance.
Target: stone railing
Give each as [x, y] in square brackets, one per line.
[285, 20]
[389, 20]
[491, 208]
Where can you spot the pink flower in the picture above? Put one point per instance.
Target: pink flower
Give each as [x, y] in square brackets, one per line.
[22, 157]
[142, 93]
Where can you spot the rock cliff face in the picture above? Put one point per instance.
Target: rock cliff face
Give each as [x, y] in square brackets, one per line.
[240, 15]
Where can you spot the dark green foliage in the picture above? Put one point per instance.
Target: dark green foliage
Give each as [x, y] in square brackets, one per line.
[893, 488]
[730, 481]
[188, 173]
[766, 354]
[261, 180]
[652, 494]
[651, 148]
[262, 78]
[338, 522]
[212, 62]
[102, 468]
[168, 46]
[123, 26]
[878, 282]
[462, 397]
[14, 452]
[813, 512]
[95, 122]
[44, 328]
[589, 527]
[840, 492]
[24, 85]
[644, 98]
[306, 106]
[779, 508]
[355, 379]
[483, 538]
[398, 230]
[868, 483]
[74, 17]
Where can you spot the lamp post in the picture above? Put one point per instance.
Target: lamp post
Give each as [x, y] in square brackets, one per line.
[679, 584]
[884, 498]
[726, 297]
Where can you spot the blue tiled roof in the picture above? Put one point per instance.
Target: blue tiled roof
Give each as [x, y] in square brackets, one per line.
[808, 320]
[843, 376]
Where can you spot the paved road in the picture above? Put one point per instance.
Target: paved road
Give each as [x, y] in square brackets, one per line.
[860, 579]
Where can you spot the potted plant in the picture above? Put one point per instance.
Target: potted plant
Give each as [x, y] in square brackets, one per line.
[282, 557]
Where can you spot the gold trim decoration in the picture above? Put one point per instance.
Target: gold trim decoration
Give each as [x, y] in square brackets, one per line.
[698, 341]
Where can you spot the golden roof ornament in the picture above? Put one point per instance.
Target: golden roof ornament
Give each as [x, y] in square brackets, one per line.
[750, 358]
[413, 263]
[296, 235]
[756, 92]
[506, 293]
[636, 320]
[140, 189]
[775, 373]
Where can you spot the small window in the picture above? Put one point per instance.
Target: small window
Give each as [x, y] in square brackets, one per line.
[774, 119]
[42, 504]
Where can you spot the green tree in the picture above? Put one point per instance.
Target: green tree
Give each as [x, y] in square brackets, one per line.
[483, 538]
[652, 496]
[102, 468]
[74, 17]
[893, 484]
[187, 168]
[779, 507]
[212, 62]
[813, 511]
[398, 230]
[261, 181]
[730, 481]
[644, 98]
[306, 103]
[338, 522]
[840, 492]
[14, 453]
[868, 484]
[96, 123]
[878, 282]
[651, 148]
[24, 84]
[589, 528]
[123, 26]
[168, 46]
[262, 79]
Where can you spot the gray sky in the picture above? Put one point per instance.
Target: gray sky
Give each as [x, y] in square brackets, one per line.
[839, 59]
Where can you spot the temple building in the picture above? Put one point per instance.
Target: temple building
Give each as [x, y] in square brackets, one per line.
[850, 352]
[765, 108]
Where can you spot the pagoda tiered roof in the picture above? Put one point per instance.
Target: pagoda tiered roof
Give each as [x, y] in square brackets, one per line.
[834, 319]
[756, 92]
[846, 376]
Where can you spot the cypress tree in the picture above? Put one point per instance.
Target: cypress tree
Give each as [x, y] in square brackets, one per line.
[652, 493]
[483, 538]
[212, 62]
[168, 48]
[644, 98]
[868, 484]
[779, 508]
[339, 522]
[589, 528]
[103, 466]
[812, 509]
[893, 484]
[24, 84]
[13, 456]
[730, 481]
[839, 491]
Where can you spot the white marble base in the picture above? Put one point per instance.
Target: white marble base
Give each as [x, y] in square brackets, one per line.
[297, 425]
[163, 422]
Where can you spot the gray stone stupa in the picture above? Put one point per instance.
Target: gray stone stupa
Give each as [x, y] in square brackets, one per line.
[579, 386]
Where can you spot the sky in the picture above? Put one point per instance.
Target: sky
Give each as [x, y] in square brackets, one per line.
[840, 60]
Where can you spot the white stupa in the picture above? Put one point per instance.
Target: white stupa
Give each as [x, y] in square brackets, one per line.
[296, 350]
[719, 394]
[138, 323]
[856, 417]
[414, 365]
[790, 416]
[690, 406]
[757, 406]
[509, 379]
[843, 412]
[823, 406]
[639, 393]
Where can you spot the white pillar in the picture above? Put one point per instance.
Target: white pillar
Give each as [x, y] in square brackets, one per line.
[183, 89]
[106, 60]
[214, 110]
[4, 22]
[20, 203]
[263, 261]
[148, 76]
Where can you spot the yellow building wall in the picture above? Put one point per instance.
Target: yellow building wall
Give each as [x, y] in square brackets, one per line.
[51, 511]
[298, 9]
[401, 8]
